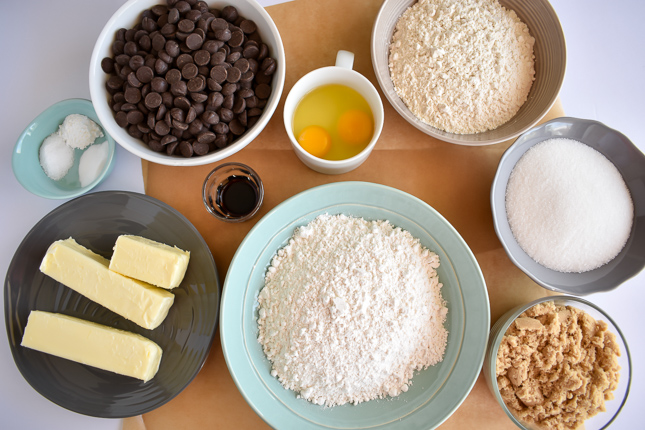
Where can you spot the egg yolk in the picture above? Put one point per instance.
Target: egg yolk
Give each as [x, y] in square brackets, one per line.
[315, 140]
[355, 127]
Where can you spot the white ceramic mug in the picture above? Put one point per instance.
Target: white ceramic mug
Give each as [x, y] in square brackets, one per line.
[343, 74]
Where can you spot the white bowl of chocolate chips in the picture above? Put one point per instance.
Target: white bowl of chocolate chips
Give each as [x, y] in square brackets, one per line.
[187, 83]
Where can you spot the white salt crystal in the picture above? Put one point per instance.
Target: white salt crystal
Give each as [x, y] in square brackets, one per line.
[79, 131]
[92, 163]
[568, 206]
[56, 157]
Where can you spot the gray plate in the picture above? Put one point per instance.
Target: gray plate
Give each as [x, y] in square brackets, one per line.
[631, 164]
[95, 220]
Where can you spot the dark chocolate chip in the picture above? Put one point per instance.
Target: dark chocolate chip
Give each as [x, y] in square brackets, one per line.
[263, 91]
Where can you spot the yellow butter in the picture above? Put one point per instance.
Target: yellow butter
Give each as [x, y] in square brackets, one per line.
[149, 261]
[88, 274]
[92, 344]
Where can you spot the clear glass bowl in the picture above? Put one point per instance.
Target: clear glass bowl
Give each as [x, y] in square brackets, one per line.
[613, 407]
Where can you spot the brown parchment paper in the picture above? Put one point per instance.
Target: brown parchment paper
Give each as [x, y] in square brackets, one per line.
[453, 179]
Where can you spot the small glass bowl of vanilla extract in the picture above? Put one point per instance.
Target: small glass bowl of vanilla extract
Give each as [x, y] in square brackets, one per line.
[233, 192]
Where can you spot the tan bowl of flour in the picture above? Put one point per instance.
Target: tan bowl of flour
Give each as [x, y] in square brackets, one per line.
[550, 64]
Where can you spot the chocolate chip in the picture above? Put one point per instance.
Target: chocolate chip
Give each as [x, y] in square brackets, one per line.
[133, 81]
[186, 25]
[182, 103]
[225, 115]
[161, 67]
[194, 41]
[107, 65]
[132, 95]
[233, 75]
[173, 76]
[210, 117]
[172, 48]
[248, 26]
[224, 35]
[219, 74]
[236, 127]
[263, 91]
[153, 100]
[220, 128]
[159, 84]
[201, 148]
[228, 101]
[196, 84]
[202, 57]
[167, 139]
[268, 66]
[239, 105]
[251, 51]
[237, 39]
[219, 24]
[229, 13]
[186, 148]
[189, 71]
[145, 74]
[161, 128]
[228, 89]
[135, 117]
[121, 119]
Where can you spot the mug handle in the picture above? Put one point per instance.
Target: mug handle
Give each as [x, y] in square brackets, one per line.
[345, 59]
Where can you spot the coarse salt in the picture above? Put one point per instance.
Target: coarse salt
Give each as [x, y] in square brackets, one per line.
[55, 156]
[79, 131]
[568, 206]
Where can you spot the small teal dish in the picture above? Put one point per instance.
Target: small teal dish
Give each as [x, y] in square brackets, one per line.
[25, 160]
[435, 393]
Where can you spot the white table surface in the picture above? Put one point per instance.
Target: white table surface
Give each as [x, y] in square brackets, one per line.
[46, 48]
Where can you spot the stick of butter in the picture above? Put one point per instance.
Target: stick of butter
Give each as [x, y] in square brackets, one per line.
[88, 274]
[92, 344]
[149, 261]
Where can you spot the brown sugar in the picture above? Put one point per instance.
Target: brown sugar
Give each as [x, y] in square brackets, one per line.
[556, 366]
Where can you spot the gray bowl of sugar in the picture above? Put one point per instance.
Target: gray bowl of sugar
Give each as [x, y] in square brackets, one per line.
[580, 238]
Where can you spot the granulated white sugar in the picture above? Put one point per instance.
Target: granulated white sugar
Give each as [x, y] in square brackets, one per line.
[56, 157]
[463, 66]
[79, 131]
[350, 309]
[92, 163]
[568, 206]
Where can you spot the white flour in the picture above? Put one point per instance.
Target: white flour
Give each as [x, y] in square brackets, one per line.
[463, 66]
[350, 309]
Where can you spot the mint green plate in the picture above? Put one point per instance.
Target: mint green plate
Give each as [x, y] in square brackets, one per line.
[436, 392]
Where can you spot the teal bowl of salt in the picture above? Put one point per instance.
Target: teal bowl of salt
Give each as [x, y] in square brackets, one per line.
[562, 217]
[28, 167]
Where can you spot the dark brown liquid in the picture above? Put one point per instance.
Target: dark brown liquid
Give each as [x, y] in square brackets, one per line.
[237, 196]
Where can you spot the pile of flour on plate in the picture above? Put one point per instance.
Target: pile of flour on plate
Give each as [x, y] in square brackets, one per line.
[350, 309]
[463, 66]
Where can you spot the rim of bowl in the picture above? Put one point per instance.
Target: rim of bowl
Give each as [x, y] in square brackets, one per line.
[448, 137]
[503, 323]
[107, 169]
[97, 92]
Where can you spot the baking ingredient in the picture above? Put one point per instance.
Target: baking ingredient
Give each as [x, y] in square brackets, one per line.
[149, 261]
[333, 122]
[200, 79]
[88, 274]
[350, 309]
[56, 157]
[92, 344]
[79, 131]
[556, 366]
[315, 140]
[237, 196]
[462, 66]
[92, 163]
[568, 206]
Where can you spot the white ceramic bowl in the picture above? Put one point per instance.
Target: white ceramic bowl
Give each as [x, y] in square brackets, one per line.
[127, 17]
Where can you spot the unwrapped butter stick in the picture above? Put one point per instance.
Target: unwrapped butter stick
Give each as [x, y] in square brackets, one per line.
[92, 344]
[149, 261]
[88, 274]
